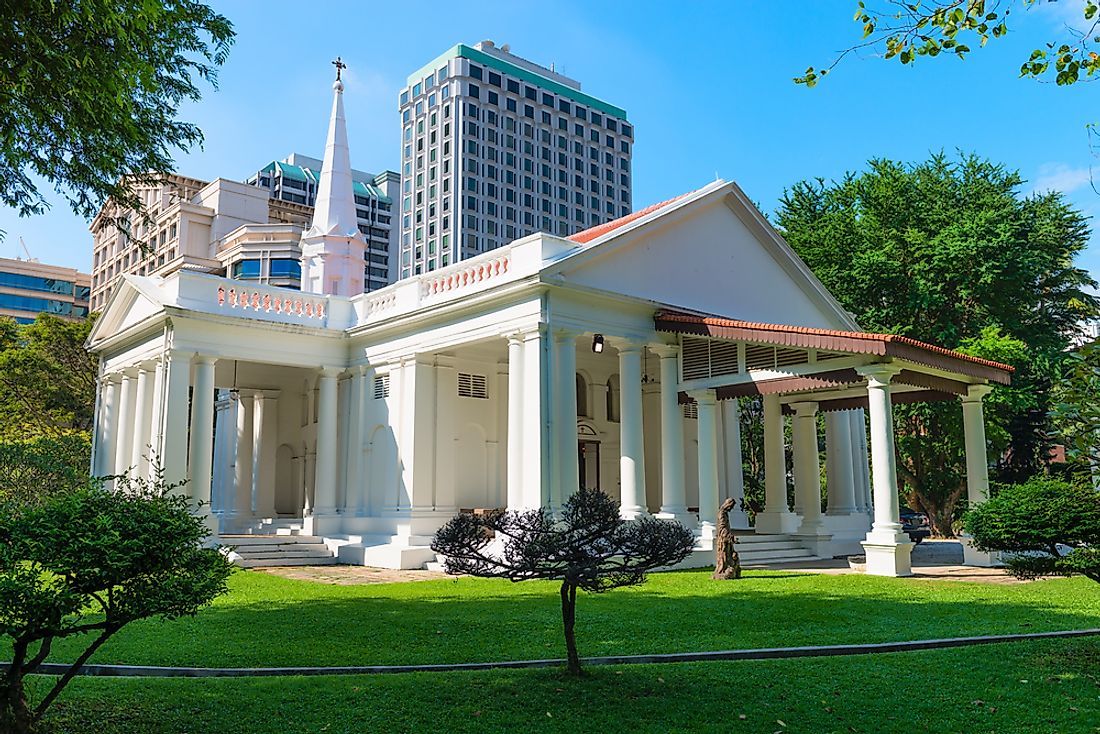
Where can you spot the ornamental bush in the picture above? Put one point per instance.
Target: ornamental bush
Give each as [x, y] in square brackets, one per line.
[590, 547]
[1044, 527]
[88, 562]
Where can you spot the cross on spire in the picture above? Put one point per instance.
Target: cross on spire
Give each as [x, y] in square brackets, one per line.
[340, 66]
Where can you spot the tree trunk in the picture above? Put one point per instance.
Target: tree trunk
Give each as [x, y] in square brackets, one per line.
[568, 619]
[16, 716]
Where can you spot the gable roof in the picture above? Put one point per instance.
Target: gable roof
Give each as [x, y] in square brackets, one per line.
[587, 235]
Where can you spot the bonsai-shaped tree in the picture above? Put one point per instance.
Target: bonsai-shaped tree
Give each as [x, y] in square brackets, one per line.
[589, 548]
[88, 562]
[1045, 527]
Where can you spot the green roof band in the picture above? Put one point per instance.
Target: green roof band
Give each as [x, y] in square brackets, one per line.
[467, 52]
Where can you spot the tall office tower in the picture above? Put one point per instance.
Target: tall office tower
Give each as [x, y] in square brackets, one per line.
[28, 288]
[296, 179]
[495, 147]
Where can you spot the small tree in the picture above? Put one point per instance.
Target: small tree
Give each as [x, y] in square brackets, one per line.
[90, 561]
[589, 548]
[1046, 526]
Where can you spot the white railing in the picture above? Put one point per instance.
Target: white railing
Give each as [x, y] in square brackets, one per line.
[268, 300]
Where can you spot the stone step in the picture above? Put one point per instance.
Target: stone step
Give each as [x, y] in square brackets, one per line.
[288, 552]
[246, 540]
[794, 554]
[275, 562]
[764, 547]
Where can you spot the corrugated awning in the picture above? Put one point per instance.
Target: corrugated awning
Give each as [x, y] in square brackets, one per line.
[852, 342]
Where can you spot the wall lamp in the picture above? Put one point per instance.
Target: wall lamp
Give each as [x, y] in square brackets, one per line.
[597, 343]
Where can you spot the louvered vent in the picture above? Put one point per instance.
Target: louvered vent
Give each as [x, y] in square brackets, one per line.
[695, 358]
[723, 358]
[691, 410]
[381, 386]
[472, 386]
[788, 357]
[826, 356]
[759, 357]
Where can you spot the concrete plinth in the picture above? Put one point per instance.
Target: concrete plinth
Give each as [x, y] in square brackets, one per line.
[777, 523]
[818, 544]
[974, 557]
[888, 558]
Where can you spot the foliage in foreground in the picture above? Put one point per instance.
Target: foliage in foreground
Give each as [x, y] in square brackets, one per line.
[1076, 410]
[589, 548]
[90, 92]
[36, 469]
[1046, 526]
[89, 562]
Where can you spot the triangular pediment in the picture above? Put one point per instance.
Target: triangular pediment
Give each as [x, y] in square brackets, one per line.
[133, 301]
[712, 252]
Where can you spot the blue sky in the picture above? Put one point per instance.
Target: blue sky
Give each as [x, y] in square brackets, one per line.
[707, 86]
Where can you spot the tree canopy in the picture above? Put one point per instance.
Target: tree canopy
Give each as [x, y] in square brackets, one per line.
[910, 30]
[90, 91]
[47, 377]
[949, 251]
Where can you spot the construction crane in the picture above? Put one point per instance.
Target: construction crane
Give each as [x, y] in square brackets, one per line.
[24, 244]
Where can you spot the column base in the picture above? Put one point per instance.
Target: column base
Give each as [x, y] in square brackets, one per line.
[974, 557]
[706, 530]
[887, 558]
[632, 513]
[236, 521]
[678, 514]
[321, 524]
[820, 544]
[776, 523]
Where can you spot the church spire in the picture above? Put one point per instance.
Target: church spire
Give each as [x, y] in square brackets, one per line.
[335, 208]
[332, 247]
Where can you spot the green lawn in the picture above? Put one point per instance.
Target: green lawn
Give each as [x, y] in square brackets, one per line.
[270, 621]
[1030, 688]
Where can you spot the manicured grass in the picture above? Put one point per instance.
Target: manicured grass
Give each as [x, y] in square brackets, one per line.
[1030, 688]
[271, 621]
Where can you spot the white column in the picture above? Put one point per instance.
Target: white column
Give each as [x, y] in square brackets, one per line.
[173, 447]
[107, 425]
[840, 481]
[776, 517]
[888, 549]
[977, 468]
[324, 499]
[673, 492]
[807, 469]
[566, 461]
[860, 473]
[143, 403]
[156, 421]
[537, 420]
[708, 461]
[515, 421]
[124, 448]
[632, 440]
[202, 434]
[353, 478]
[265, 442]
[731, 454]
[446, 390]
[239, 498]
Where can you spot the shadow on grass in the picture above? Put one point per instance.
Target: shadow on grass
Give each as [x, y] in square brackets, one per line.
[275, 622]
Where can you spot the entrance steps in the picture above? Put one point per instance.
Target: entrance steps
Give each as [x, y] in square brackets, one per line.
[755, 551]
[258, 551]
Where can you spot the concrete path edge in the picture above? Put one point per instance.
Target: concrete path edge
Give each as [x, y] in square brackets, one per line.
[767, 653]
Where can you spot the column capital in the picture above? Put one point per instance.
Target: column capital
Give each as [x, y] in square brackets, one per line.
[804, 409]
[516, 337]
[975, 393]
[130, 371]
[565, 333]
[325, 371]
[626, 344]
[878, 375]
[148, 365]
[666, 351]
[112, 377]
[703, 397]
[204, 359]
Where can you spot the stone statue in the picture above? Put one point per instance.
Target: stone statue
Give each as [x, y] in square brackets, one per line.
[727, 564]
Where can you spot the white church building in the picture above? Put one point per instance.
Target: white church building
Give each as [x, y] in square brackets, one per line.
[610, 359]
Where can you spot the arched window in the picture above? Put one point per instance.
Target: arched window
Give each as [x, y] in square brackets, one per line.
[582, 396]
[613, 398]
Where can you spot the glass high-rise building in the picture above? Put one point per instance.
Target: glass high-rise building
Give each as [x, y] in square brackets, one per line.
[495, 147]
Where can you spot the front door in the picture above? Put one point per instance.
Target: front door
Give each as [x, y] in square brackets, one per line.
[589, 463]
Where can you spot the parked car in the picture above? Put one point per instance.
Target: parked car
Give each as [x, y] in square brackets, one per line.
[915, 524]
